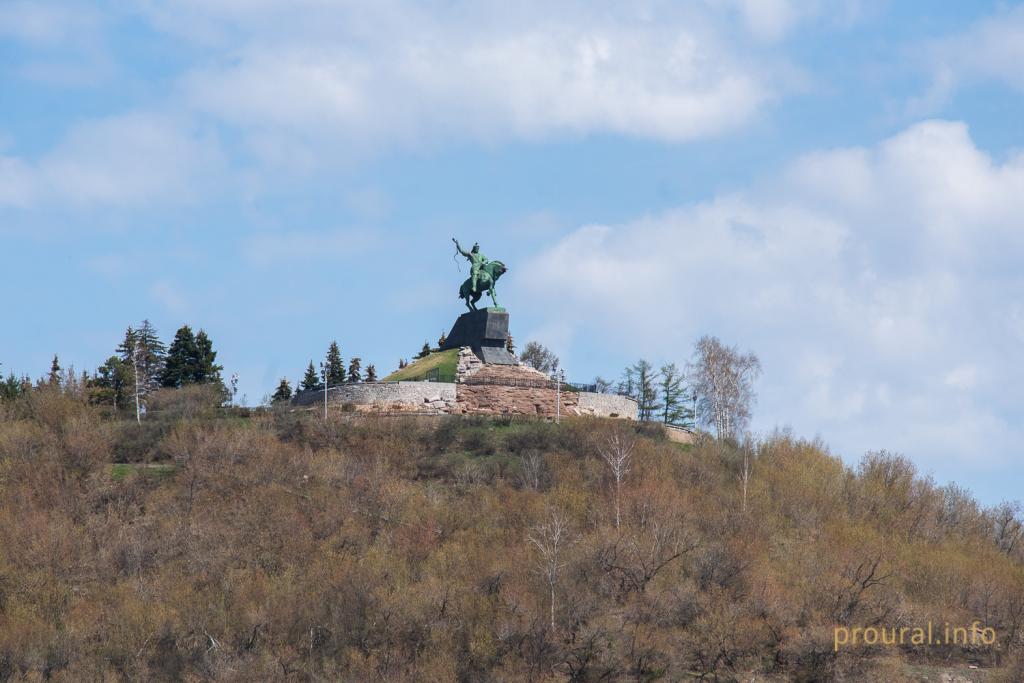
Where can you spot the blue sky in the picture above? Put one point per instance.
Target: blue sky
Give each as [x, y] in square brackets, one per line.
[836, 186]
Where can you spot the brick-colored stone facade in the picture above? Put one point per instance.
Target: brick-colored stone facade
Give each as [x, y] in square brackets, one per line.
[481, 389]
[493, 399]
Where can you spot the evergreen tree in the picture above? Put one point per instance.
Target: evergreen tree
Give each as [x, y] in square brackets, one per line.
[142, 348]
[206, 370]
[425, 351]
[539, 357]
[673, 398]
[627, 385]
[402, 363]
[113, 384]
[283, 393]
[442, 340]
[354, 371]
[191, 360]
[646, 390]
[335, 366]
[53, 379]
[181, 365]
[11, 388]
[510, 345]
[371, 373]
[151, 356]
[127, 346]
[311, 380]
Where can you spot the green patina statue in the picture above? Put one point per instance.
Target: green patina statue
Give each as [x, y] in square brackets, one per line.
[483, 276]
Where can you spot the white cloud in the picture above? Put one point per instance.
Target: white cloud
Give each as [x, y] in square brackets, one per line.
[36, 22]
[135, 159]
[772, 20]
[991, 49]
[769, 19]
[170, 297]
[330, 75]
[878, 285]
[16, 183]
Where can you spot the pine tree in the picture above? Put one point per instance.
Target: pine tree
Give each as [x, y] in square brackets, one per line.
[206, 370]
[335, 366]
[283, 393]
[627, 385]
[190, 360]
[11, 388]
[53, 379]
[142, 348]
[180, 367]
[113, 384]
[151, 356]
[510, 345]
[539, 357]
[354, 371]
[646, 391]
[673, 400]
[311, 380]
[442, 340]
[402, 363]
[371, 373]
[127, 346]
[425, 351]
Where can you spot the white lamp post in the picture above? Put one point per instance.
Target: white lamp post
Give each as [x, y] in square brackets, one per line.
[323, 376]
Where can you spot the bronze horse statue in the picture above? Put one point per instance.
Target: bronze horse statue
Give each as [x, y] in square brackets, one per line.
[485, 281]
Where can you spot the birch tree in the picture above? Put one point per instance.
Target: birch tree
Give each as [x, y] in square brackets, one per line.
[551, 537]
[723, 379]
[617, 451]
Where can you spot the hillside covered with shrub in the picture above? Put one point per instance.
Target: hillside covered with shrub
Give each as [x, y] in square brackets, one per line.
[276, 546]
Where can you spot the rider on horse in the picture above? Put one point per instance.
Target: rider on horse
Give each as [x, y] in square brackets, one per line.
[475, 258]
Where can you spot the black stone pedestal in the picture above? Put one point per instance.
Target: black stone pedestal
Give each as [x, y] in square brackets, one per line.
[485, 331]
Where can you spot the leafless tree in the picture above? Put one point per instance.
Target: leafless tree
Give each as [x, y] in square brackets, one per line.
[551, 537]
[532, 469]
[1007, 527]
[746, 466]
[617, 450]
[723, 378]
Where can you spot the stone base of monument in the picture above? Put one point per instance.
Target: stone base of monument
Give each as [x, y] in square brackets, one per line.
[486, 332]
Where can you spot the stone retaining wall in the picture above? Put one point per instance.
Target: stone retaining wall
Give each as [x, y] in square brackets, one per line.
[496, 399]
[416, 396]
[471, 399]
[607, 405]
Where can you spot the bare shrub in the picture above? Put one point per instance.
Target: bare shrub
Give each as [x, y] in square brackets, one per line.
[188, 402]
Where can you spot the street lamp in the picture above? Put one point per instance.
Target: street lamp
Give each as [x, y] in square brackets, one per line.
[323, 376]
[559, 378]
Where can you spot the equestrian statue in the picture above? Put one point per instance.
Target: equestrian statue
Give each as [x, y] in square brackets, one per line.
[483, 276]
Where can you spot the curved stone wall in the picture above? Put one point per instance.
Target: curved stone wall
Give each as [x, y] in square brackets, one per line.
[606, 405]
[431, 396]
[483, 398]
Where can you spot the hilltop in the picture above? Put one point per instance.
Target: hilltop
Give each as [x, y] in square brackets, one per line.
[278, 546]
[439, 365]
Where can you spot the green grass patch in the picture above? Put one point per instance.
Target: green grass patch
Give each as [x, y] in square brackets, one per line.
[439, 363]
[122, 470]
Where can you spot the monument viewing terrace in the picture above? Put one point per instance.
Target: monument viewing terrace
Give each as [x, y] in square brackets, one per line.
[473, 372]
